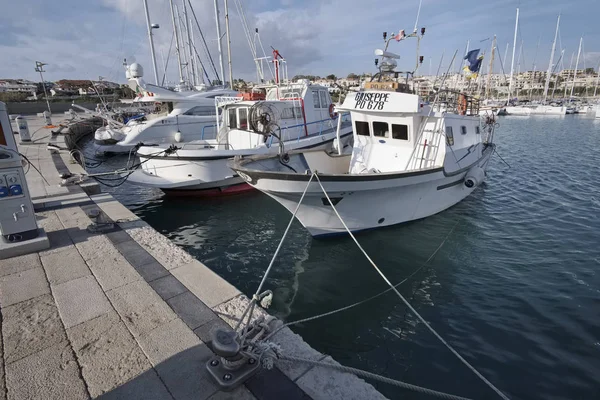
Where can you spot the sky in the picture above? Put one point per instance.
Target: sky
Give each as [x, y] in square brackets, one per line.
[87, 39]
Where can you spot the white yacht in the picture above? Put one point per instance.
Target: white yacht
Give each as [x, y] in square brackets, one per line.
[536, 109]
[290, 116]
[181, 117]
[410, 159]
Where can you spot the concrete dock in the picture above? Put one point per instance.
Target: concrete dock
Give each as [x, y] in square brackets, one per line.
[126, 314]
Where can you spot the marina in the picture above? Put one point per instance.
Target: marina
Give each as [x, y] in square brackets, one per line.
[187, 233]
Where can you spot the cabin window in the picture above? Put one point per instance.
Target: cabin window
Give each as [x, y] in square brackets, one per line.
[291, 112]
[463, 130]
[380, 129]
[362, 128]
[449, 136]
[400, 131]
[232, 118]
[170, 107]
[201, 111]
[324, 101]
[243, 116]
[316, 101]
[477, 131]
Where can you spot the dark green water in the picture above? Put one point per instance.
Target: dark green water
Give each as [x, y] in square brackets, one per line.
[514, 289]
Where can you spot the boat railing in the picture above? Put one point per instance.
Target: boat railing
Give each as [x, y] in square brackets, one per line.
[456, 102]
[324, 124]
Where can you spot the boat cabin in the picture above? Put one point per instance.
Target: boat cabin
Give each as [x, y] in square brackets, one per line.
[398, 131]
[289, 111]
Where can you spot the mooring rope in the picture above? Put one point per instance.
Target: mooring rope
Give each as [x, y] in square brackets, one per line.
[314, 317]
[392, 287]
[370, 375]
[255, 298]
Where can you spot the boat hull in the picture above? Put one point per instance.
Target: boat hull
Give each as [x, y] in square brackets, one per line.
[366, 201]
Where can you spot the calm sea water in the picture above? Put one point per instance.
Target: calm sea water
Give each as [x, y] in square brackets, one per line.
[515, 288]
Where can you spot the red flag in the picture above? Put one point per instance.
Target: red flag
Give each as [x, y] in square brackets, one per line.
[400, 35]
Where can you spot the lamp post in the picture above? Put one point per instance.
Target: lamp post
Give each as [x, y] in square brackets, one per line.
[39, 67]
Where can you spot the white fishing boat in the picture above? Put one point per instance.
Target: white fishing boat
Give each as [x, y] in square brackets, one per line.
[292, 116]
[187, 116]
[411, 159]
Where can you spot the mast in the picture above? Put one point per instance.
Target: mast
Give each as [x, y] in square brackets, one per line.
[228, 45]
[550, 66]
[570, 68]
[490, 69]
[176, 42]
[189, 42]
[219, 41]
[576, 66]
[512, 61]
[597, 79]
[534, 69]
[151, 42]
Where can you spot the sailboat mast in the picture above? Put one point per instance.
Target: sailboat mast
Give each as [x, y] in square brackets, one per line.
[576, 66]
[534, 69]
[597, 79]
[490, 69]
[550, 65]
[219, 41]
[189, 42]
[228, 44]
[512, 61]
[176, 42]
[151, 41]
[570, 68]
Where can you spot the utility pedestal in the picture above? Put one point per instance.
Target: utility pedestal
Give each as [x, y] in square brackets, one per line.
[19, 233]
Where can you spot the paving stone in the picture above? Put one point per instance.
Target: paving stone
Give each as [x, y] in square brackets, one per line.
[31, 326]
[205, 331]
[191, 310]
[204, 283]
[273, 384]
[49, 374]
[151, 271]
[23, 286]
[118, 236]
[293, 345]
[241, 393]
[140, 307]
[21, 263]
[326, 383]
[94, 246]
[48, 220]
[186, 376]
[167, 287]
[107, 353]
[134, 253]
[59, 241]
[231, 311]
[64, 266]
[168, 340]
[2, 374]
[112, 271]
[146, 386]
[165, 251]
[80, 300]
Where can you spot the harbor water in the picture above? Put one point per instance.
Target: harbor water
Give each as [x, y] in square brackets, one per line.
[514, 288]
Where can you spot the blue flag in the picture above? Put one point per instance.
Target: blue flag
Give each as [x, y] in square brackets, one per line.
[474, 61]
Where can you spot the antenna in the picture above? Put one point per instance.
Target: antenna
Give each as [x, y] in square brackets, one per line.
[418, 13]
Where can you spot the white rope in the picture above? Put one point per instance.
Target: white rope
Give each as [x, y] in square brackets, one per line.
[448, 346]
[262, 282]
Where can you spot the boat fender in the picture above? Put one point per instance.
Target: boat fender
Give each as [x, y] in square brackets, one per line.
[178, 137]
[332, 112]
[474, 177]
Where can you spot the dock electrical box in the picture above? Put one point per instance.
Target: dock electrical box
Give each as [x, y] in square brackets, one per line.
[17, 218]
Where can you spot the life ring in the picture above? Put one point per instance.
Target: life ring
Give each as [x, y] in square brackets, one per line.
[462, 104]
[332, 112]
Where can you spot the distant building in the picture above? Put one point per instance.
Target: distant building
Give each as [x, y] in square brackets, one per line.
[17, 86]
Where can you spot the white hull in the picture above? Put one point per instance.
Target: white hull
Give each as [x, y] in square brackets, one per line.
[536, 110]
[203, 169]
[367, 201]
